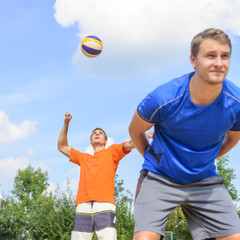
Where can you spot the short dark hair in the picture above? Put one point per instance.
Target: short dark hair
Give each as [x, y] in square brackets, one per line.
[98, 129]
[210, 33]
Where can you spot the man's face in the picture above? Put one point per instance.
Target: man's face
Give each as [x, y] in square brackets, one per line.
[212, 61]
[99, 137]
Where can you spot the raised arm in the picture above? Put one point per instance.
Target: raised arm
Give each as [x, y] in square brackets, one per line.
[62, 140]
[230, 140]
[137, 129]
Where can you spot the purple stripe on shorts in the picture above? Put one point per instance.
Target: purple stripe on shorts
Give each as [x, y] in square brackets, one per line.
[83, 223]
[91, 223]
[105, 219]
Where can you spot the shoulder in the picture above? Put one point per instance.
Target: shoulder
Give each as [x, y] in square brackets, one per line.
[172, 89]
[166, 95]
[115, 147]
[76, 153]
[231, 90]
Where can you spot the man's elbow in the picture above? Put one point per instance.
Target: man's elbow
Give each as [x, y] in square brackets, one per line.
[131, 130]
[60, 148]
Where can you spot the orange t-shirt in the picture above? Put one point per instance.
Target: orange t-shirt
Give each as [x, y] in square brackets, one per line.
[97, 173]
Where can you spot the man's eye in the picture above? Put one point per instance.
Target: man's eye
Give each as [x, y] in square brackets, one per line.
[225, 56]
[210, 56]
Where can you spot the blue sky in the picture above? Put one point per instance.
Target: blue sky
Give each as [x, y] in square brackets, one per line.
[44, 74]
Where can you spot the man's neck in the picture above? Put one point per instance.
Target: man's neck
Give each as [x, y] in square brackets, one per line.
[97, 148]
[203, 94]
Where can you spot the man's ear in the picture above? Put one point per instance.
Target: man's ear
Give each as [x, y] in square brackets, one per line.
[193, 61]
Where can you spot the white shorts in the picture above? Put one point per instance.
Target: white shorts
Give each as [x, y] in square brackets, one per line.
[98, 217]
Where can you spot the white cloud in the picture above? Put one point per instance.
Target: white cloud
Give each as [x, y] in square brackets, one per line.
[52, 187]
[42, 88]
[10, 132]
[72, 184]
[8, 170]
[30, 152]
[142, 35]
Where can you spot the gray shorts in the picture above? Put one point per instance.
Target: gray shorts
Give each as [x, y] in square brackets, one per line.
[207, 206]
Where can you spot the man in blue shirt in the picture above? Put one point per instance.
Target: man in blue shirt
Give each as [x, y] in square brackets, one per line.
[196, 119]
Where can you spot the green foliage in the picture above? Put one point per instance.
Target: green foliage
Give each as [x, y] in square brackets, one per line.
[29, 185]
[94, 236]
[228, 174]
[33, 214]
[125, 219]
[7, 220]
[177, 224]
[30, 213]
[52, 217]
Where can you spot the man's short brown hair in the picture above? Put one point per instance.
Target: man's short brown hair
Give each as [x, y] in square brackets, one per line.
[98, 129]
[210, 33]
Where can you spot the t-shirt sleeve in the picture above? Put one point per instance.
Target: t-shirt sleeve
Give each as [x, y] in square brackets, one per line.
[76, 156]
[118, 153]
[236, 126]
[151, 107]
[163, 101]
[234, 94]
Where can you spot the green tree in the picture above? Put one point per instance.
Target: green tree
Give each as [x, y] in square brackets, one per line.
[7, 220]
[177, 224]
[53, 217]
[29, 185]
[125, 219]
[31, 213]
[229, 175]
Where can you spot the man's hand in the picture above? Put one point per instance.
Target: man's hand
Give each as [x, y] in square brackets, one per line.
[67, 118]
[149, 134]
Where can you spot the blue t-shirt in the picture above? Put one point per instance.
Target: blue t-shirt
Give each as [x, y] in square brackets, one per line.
[187, 137]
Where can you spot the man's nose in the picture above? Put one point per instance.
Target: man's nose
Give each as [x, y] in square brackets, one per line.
[218, 61]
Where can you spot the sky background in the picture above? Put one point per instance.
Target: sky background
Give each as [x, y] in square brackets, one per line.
[43, 74]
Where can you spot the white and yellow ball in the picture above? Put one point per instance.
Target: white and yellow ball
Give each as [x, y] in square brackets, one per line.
[91, 46]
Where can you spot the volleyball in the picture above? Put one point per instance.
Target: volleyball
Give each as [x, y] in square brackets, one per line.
[91, 46]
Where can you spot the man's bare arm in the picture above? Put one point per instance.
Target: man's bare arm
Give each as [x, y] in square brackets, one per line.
[128, 146]
[137, 129]
[63, 146]
[230, 140]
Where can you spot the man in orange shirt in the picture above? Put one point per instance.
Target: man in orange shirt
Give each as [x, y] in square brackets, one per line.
[95, 205]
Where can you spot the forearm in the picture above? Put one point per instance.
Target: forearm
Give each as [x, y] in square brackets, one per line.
[226, 147]
[128, 146]
[140, 141]
[231, 139]
[62, 140]
[137, 129]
